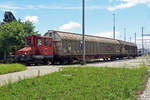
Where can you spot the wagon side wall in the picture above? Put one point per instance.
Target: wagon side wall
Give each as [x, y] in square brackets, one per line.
[73, 48]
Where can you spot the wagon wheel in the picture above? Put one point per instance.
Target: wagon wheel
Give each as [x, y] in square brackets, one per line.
[70, 61]
[62, 61]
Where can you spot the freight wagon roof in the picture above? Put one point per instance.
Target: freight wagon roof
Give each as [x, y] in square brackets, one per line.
[74, 36]
[128, 43]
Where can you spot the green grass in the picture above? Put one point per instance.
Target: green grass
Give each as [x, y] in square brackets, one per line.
[79, 84]
[8, 68]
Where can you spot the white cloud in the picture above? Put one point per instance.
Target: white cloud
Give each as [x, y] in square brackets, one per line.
[33, 19]
[70, 26]
[106, 34]
[69, 8]
[121, 6]
[128, 4]
[95, 7]
[57, 7]
[11, 6]
[30, 7]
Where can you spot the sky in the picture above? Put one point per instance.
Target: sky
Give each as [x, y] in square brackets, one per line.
[66, 15]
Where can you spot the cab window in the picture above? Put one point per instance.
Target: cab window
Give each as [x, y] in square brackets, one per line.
[29, 42]
[50, 43]
[39, 42]
[45, 41]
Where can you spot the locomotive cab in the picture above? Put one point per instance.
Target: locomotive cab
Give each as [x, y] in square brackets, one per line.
[38, 49]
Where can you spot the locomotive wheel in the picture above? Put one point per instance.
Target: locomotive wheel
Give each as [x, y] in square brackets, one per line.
[45, 62]
[52, 62]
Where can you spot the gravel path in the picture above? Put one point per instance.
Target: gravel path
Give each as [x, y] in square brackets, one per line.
[128, 63]
[30, 72]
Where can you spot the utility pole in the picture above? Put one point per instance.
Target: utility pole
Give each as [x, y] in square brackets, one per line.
[83, 32]
[135, 37]
[142, 40]
[114, 28]
[130, 38]
[124, 34]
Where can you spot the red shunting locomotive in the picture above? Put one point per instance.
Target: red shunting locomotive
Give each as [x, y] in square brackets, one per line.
[37, 49]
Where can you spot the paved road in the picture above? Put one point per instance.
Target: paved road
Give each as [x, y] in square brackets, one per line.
[30, 72]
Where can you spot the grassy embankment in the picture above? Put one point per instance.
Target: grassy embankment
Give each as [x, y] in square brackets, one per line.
[8, 68]
[79, 84]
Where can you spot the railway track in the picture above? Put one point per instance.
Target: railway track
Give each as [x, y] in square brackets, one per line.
[101, 63]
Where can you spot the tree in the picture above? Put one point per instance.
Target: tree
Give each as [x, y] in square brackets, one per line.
[12, 36]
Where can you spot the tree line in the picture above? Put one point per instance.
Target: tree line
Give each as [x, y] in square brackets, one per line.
[12, 37]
